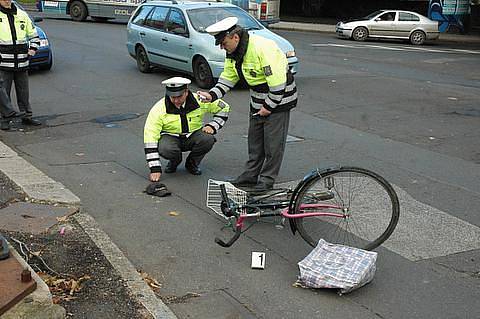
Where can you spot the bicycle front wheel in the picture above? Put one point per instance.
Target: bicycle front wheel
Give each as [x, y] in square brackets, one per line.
[363, 207]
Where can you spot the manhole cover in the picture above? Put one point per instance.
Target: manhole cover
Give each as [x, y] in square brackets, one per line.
[32, 218]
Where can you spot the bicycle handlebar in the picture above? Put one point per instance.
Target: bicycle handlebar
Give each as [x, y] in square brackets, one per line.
[227, 210]
[238, 232]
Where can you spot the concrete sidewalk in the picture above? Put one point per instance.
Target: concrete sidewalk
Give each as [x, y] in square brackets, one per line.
[40, 188]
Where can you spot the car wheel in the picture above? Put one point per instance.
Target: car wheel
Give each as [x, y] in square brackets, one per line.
[143, 63]
[78, 11]
[202, 73]
[417, 37]
[48, 66]
[360, 34]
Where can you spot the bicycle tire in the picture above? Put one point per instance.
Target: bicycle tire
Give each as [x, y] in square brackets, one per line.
[374, 208]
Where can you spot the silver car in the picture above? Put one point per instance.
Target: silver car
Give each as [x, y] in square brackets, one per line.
[172, 35]
[390, 24]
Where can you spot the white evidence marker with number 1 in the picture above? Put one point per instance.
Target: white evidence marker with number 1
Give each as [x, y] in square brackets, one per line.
[258, 260]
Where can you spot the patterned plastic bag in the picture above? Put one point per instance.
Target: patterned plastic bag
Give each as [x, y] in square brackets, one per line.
[337, 266]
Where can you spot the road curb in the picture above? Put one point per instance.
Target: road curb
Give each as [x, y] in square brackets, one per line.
[38, 186]
[141, 292]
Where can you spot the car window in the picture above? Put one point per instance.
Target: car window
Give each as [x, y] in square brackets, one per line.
[176, 22]
[141, 14]
[404, 16]
[388, 16]
[204, 17]
[373, 15]
[156, 19]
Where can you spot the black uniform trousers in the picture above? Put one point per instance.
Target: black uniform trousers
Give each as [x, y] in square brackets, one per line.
[20, 78]
[267, 136]
[198, 143]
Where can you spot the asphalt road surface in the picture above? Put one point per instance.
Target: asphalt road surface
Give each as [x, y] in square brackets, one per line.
[409, 113]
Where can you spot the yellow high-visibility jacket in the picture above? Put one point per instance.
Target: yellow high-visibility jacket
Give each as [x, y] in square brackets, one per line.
[17, 36]
[265, 69]
[166, 118]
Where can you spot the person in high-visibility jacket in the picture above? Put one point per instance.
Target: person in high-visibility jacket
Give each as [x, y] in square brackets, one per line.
[273, 93]
[18, 41]
[175, 125]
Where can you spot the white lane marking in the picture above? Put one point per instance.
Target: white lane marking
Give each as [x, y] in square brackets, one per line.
[425, 232]
[400, 48]
[466, 51]
[334, 45]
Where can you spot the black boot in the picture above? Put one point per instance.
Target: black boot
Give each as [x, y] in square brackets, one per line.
[243, 182]
[30, 121]
[171, 167]
[192, 167]
[5, 125]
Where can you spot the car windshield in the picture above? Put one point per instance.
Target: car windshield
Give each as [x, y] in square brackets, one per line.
[204, 17]
[372, 15]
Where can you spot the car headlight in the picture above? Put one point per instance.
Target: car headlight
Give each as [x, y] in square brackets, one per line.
[44, 42]
[290, 54]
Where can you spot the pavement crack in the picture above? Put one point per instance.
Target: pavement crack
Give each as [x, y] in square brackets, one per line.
[80, 163]
[473, 274]
[376, 314]
[246, 306]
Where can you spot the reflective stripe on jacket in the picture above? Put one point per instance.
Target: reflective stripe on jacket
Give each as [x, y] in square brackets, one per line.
[265, 69]
[17, 36]
[166, 118]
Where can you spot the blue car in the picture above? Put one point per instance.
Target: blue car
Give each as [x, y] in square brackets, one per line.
[43, 59]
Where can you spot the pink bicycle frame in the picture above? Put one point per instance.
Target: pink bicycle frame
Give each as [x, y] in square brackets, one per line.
[286, 214]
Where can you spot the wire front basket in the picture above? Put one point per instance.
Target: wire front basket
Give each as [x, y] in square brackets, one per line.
[214, 196]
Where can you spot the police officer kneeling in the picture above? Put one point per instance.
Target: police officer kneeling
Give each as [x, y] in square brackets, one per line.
[175, 125]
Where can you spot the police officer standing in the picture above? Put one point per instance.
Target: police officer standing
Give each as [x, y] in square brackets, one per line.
[18, 41]
[273, 93]
[175, 125]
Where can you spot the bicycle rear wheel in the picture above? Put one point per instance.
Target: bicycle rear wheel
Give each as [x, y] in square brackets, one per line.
[367, 201]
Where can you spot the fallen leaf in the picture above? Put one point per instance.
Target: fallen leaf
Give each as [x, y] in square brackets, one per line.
[62, 219]
[74, 287]
[153, 283]
[173, 213]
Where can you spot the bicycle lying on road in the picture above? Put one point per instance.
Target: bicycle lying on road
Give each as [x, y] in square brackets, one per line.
[344, 205]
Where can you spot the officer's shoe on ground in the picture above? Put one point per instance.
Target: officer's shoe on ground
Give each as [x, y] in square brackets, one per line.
[5, 125]
[192, 168]
[263, 187]
[243, 182]
[171, 167]
[13, 115]
[30, 121]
